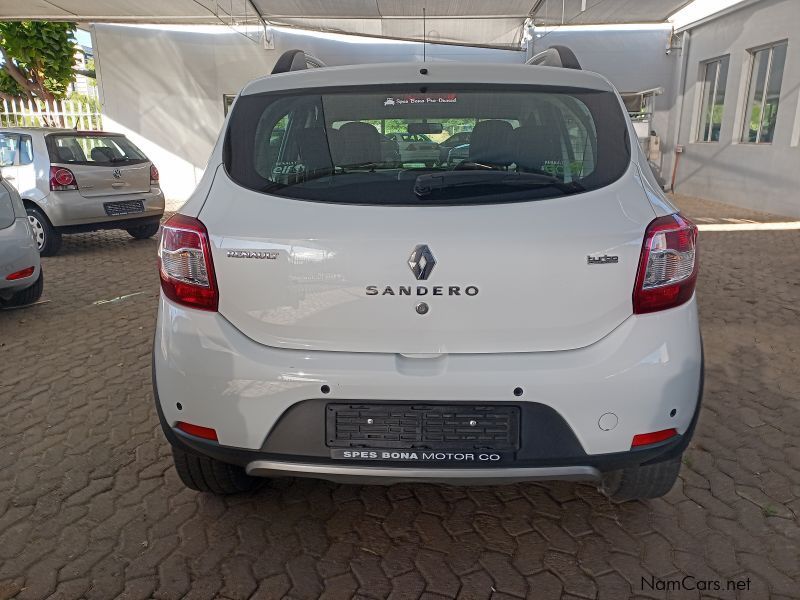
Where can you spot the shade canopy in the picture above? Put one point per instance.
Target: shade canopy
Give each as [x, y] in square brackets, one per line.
[495, 23]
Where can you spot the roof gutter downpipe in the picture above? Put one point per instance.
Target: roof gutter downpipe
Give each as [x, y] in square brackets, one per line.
[682, 94]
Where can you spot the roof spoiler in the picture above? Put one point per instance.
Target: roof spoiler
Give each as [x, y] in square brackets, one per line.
[555, 56]
[291, 60]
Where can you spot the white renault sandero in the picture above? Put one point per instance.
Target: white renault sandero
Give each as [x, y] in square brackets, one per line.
[525, 313]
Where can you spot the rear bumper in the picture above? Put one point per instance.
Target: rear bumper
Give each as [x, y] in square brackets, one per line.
[386, 475]
[71, 212]
[267, 407]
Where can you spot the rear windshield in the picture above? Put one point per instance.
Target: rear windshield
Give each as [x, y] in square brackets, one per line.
[371, 145]
[93, 149]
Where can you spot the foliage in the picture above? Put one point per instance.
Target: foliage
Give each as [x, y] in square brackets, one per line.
[38, 59]
[90, 102]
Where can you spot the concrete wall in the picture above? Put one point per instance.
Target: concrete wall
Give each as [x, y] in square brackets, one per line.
[759, 176]
[632, 57]
[163, 87]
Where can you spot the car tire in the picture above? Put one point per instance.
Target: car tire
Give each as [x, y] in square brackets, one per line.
[48, 239]
[642, 482]
[205, 474]
[143, 232]
[29, 295]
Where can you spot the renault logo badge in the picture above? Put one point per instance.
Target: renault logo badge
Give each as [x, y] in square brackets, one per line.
[421, 262]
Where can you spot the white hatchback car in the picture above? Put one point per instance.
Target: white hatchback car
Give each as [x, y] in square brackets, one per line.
[528, 313]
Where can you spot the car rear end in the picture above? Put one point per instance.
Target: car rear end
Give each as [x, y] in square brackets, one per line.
[19, 258]
[100, 178]
[527, 313]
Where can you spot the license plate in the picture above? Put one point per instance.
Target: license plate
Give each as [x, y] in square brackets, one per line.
[423, 456]
[443, 428]
[125, 207]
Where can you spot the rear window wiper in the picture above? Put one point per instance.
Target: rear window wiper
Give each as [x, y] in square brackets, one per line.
[119, 158]
[427, 184]
[364, 165]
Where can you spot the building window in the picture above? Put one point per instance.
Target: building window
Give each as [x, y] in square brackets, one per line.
[715, 76]
[763, 93]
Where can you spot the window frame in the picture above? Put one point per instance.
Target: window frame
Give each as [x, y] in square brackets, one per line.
[709, 110]
[747, 108]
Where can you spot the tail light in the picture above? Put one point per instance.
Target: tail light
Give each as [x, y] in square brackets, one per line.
[654, 437]
[185, 265]
[197, 430]
[153, 175]
[62, 179]
[21, 274]
[668, 265]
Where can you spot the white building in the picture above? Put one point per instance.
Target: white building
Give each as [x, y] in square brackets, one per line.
[735, 108]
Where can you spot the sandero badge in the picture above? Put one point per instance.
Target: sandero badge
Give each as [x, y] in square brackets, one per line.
[421, 263]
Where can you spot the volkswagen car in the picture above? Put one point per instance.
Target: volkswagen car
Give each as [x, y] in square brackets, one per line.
[76, 181]
[528, 313]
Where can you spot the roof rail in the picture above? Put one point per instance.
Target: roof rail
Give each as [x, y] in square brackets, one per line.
[555, 56]
[291, 60]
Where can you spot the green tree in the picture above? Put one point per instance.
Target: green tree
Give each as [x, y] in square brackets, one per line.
[37, 59]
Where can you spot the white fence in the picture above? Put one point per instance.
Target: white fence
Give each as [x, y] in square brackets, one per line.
[71, 114]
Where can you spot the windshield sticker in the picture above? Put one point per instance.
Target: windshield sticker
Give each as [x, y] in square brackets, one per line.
[556, 167]
[421, 99]
[288, 167]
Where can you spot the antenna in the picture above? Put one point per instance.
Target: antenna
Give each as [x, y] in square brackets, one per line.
[424, 34]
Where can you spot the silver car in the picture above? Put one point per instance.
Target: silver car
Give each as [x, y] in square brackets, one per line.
[21, 279]
[77, 181]
[416, 148]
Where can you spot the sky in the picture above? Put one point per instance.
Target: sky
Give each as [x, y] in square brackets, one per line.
[83, 37]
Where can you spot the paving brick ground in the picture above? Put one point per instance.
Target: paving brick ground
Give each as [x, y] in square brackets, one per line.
[90, 506]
